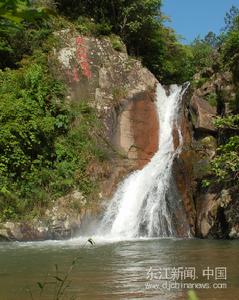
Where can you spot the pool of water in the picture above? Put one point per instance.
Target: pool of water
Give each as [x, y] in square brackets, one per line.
[136, 269]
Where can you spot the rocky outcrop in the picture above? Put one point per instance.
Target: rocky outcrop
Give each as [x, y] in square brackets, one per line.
[204, 114]
[61, 221]
[212, 82]
[123, 92]
[199, 146]
[182, 178]
[217, 208]
[217, 214]
[183, 164]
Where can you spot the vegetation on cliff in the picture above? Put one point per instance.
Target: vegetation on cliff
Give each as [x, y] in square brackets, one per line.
[225, 165]
[43, 155]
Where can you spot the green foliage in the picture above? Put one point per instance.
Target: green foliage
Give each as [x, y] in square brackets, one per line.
[140, 26]
[28, 114]
[177, 64]
[42, 154]
[212, 40]
[230, 52]
[13, 11]
[212, 99]
[202, 54]
[205, 183]
[229, 122]
[116, 42]
[225, 166]
[197, 83]
[19, 12]
[87, 26]
[230, 18]
[23, 28]
[192, 295]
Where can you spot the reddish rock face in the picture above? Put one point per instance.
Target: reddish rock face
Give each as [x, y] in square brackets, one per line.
[138, 130]
[183, 168]
[145, 127]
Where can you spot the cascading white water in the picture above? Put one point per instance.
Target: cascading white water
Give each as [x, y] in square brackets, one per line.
[145, 203]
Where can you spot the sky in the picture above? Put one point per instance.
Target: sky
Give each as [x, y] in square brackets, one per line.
[191, 18]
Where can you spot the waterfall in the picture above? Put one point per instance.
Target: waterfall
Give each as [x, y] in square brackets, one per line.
[146, 203]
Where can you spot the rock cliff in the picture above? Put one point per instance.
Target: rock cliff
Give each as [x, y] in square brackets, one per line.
[216, 208]
[123, 92]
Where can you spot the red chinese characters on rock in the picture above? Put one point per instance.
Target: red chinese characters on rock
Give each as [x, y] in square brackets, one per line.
[82, 59]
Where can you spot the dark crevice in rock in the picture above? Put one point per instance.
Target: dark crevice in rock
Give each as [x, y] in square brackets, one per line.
[220, 230]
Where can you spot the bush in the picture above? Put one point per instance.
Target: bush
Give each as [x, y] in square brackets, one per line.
[225, 165]
[42, 154]
[22, 29]
[116, 42]
[87, 27]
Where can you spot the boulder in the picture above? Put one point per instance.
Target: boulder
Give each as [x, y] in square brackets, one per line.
[204, 113]
[207, 207]
[61, 221]
[217, 214]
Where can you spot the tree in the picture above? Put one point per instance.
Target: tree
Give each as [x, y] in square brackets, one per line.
[202, 54]
[19, 22]
[212, 39]
[139, 23]
[225, 165]
[230, 19]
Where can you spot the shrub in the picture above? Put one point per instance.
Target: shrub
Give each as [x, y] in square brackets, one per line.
[43, 154]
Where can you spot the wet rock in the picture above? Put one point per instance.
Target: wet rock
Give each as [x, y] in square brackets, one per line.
[4, 235]
[61, 221]
[206, 213]
[234, 232]
[217, 215]
[183, 164]
[137, 130]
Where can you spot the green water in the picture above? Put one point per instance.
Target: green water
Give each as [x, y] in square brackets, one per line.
[117, 270]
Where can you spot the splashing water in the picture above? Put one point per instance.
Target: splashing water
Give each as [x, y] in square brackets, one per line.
[146, 204]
